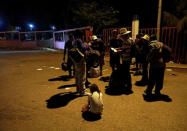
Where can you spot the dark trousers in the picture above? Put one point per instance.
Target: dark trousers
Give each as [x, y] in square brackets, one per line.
[126, 74]
[114, 61]
[69, 65]
[145, 72]
[156, 78]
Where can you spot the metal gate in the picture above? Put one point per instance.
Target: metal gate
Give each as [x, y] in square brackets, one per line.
[169, 36]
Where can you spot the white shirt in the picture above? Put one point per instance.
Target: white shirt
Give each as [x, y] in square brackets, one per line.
[96, 102]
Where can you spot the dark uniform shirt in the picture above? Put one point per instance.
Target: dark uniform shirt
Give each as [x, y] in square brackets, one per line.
[142, 50]
[159, 54]
[68, 46]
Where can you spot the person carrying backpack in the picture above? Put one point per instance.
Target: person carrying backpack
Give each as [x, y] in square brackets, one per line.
[158, 55]
[78, 56]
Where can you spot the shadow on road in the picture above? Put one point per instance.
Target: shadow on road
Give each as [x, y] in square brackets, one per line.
[90, 116]
[110, 91]
[154, 98]
[65, 86]
[61, 99]
[105, 78]
[61, 78]
[116, 91]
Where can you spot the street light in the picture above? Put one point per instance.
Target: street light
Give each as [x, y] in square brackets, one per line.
[53, 27]
[31, 26]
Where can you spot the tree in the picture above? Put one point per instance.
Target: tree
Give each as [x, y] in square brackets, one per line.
[95, 15]
[177, 16]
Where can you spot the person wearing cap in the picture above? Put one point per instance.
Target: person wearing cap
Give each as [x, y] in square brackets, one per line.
[114, 56]
[144, 50]
[98, 45]
[125, 53]
[159, 54]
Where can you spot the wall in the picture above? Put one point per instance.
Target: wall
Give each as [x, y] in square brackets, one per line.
[17, 43]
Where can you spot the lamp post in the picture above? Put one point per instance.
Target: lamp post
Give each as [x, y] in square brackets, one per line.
[159, 19]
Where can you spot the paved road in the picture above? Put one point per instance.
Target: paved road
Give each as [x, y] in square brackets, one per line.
[34, 95]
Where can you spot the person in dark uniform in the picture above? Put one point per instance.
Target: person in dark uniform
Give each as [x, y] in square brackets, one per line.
[114, 56]
[159, 54]
[69, 46]
[137, 45]
[144, 50]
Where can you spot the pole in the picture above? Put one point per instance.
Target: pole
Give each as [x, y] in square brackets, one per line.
[159, 19]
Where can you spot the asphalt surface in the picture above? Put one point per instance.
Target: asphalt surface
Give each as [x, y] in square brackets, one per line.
[35, 95]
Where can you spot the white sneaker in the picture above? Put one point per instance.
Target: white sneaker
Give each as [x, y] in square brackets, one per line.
[85, 94]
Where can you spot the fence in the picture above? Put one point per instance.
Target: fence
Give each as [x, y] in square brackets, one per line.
[60, 37]
[169, 36]
[51, 39]
[12, 39]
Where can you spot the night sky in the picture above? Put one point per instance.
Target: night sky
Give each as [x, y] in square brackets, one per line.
[46, 13]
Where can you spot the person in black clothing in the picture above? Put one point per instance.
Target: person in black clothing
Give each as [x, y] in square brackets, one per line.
[69, 46]
[98, 45]
[159, 54]
[114, 56]
[137, 45]
[144, 50]
[125, 53]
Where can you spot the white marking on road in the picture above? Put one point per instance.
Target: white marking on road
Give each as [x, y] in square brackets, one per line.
[169, 69]
[57, 68]
[67, 88]
[105, 70]
[39, 69]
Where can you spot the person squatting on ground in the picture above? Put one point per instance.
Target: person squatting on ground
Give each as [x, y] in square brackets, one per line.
[159, 54]
[92, 60]
[98, 45]
[114, 56]
[95, 101]
[125, 52]
[143, 52]
[79, 63]
[69, 46]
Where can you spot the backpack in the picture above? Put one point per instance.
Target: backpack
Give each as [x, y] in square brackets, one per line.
[92, 58]
[75, 54]
[64, 66]
[94, 72]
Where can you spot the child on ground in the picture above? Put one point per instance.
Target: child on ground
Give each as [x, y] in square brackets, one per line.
[95, 101]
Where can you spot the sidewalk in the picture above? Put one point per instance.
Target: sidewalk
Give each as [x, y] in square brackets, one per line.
[175, 65]
[31, 50]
